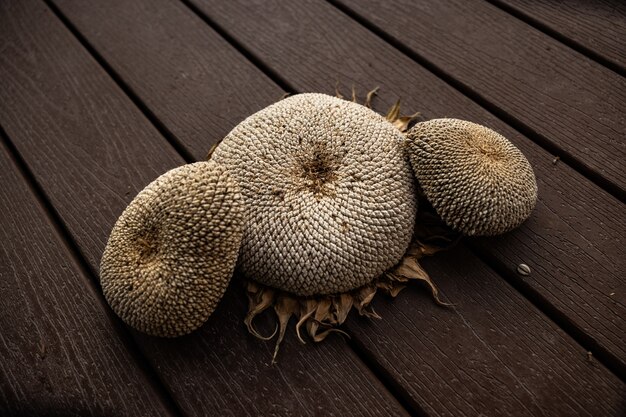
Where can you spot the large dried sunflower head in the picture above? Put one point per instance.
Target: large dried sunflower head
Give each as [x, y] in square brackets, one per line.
[329, 194]
[172, 252]
[477, 181]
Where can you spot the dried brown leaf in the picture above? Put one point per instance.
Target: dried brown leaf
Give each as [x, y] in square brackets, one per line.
[307, 309]
[403, 122]
[343, 305]
[321, 336]
[395, 290]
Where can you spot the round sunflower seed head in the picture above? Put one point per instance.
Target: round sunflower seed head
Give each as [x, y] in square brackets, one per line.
[477, 181]
[329, 194]
[172, 252]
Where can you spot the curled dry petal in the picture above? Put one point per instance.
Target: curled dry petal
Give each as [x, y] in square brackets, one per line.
[322, 315]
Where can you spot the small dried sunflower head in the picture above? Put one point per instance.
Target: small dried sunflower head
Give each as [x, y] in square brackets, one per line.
[477, 181]
[172, 252]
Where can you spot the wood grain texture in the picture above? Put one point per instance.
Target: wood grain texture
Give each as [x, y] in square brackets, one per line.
[602, 382]
[598, 26]
[190, 82]
[490, 354]
[60, 354]
[237, 379]
[91, 150]
[566, 98]
[59, 106]
[573, 241]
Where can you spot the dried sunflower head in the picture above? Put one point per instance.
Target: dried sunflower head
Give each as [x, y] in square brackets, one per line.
[477, 181]
[328, 191]
[172, 252]
[330, 208]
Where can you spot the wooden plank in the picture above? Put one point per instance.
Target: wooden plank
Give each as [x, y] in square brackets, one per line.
[60, 352]
[198, 96]
[598, 28]
[572, 242]
[92, 150]
[492, 354]
[566, 100]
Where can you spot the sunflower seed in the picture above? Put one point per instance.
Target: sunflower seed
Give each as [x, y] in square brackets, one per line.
[523, 269]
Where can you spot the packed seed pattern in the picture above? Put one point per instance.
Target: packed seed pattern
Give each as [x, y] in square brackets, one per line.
[172, 252]
[329, 194]
[477, 181]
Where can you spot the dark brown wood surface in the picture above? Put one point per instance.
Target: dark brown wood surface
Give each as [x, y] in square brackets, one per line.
[596, 27]
[88, 25]
[59, 352]
[59, 107]
[164, 82]
[223, 370]
[188, 76]
[569, 102]
[573, 238]
[101, 155]
[491, 354]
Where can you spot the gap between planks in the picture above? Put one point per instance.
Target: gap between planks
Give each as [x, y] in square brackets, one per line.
[600, 353]
[256, 61]
[386, 378]
[128, 91]
[571, 43]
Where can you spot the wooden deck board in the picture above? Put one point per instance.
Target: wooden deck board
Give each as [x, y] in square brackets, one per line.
[575, 265]
[101, 155]
[195, 84]
[91, 149]
[597, 27]
[568, 101]
[59, 353]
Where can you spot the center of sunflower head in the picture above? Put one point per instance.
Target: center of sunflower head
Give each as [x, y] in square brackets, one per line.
[148, 248]
[316, 170]
[489, 151]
